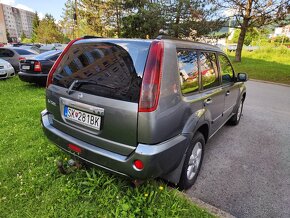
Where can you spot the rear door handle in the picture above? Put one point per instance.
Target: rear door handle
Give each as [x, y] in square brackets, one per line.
[228, 93]
[207, 101]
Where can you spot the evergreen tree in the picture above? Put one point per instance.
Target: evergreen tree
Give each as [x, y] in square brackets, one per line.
[35, 24]
[48, 31]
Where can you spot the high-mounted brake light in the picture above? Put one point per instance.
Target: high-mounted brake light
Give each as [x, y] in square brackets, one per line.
[56, 63]
[150, 89]
[37, 66]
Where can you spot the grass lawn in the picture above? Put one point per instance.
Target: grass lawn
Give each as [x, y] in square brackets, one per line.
[31, 186]
[269, 64]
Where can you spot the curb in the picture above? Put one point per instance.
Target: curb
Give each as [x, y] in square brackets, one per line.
[268, 82]
[211, 209]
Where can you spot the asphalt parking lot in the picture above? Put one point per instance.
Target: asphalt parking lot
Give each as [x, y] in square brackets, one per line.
[246, 168]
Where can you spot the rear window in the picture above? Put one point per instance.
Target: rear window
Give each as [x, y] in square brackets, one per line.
[48, 55]
[112, 70]
[24, 52]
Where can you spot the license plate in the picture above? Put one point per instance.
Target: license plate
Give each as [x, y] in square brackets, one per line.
[25, 67]
[82, 117]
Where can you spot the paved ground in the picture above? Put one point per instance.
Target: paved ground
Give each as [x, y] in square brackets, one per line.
[246, 169]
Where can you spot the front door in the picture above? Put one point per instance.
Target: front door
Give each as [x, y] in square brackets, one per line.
[230, 89]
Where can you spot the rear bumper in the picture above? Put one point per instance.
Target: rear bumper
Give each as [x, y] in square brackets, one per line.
[159, 159]
[33, 78]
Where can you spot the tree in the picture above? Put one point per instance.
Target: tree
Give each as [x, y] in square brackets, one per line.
[254, 13]
[188, 16]
[23, 36]
[48, 31]
[35, 24]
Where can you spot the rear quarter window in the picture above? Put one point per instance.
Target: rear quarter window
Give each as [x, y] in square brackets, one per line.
[112, 70]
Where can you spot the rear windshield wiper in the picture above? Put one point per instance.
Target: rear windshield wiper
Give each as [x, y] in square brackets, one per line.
[79, 83]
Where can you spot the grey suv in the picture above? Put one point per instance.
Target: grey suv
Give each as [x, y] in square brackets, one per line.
[141, 108]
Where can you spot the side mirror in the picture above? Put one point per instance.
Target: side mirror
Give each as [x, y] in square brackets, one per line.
[242, 77]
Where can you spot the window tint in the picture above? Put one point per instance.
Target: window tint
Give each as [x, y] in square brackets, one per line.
[226, 69]
[209, 72]
[6, 53]
[104, 69]
[188, 70]
[24, 52]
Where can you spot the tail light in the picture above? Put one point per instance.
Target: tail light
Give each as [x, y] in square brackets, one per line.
[150, 89]
[21, 58]
[56, 63]
[37, 66]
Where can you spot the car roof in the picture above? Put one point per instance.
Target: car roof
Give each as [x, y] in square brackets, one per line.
[180, 43]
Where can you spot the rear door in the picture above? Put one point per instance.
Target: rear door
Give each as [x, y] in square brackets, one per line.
[212, 91]
[96, 90]
[8, 55]
[230, 88]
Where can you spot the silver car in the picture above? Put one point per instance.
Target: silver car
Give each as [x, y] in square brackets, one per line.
[141, 108]
[6, 69]
[14, 55]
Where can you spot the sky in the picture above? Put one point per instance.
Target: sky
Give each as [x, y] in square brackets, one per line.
[53, 7]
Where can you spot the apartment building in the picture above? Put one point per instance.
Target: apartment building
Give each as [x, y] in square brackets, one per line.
[15, 21]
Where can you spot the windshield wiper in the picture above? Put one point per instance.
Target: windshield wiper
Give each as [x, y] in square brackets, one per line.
[79, 83]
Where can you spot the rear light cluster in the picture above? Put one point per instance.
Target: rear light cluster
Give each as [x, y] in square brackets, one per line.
[150, 89]
[56, 63]
[21, 58]
[37, 66]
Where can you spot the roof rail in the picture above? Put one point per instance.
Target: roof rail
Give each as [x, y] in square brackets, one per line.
[91, 37]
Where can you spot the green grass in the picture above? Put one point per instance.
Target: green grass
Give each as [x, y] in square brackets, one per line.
[31, 186]
[269, 64]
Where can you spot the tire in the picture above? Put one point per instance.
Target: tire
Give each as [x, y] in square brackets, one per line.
[192, 162]
[235, 119]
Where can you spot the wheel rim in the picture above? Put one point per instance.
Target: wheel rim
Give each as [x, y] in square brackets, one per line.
[240, 110]
[194, 160]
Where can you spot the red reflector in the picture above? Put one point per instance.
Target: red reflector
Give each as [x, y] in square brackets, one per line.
[75, 148]
[150, 89]
[138, 164]
[56, 63]
[37, 66]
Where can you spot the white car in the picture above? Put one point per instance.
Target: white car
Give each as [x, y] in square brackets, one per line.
[6, 69]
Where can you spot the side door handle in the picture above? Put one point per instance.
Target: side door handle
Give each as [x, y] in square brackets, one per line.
[207, 101]
[228, 93]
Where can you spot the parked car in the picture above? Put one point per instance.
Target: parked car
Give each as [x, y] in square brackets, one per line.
[6, 69]
[35, 70]
[122, 105]
[13, 55]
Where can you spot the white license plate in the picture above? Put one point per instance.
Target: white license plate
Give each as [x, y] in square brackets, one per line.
[82, 117]
[25, 67]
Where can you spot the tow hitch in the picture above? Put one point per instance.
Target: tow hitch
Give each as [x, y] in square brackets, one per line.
[71, 166]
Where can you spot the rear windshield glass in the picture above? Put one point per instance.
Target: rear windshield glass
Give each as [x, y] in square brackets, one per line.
[47, 55]
[24, 52]
[112, 70]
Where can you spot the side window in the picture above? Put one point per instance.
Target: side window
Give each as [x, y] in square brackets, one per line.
[208, 68]
[188, 70]
[226, 69]
[6, 53]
